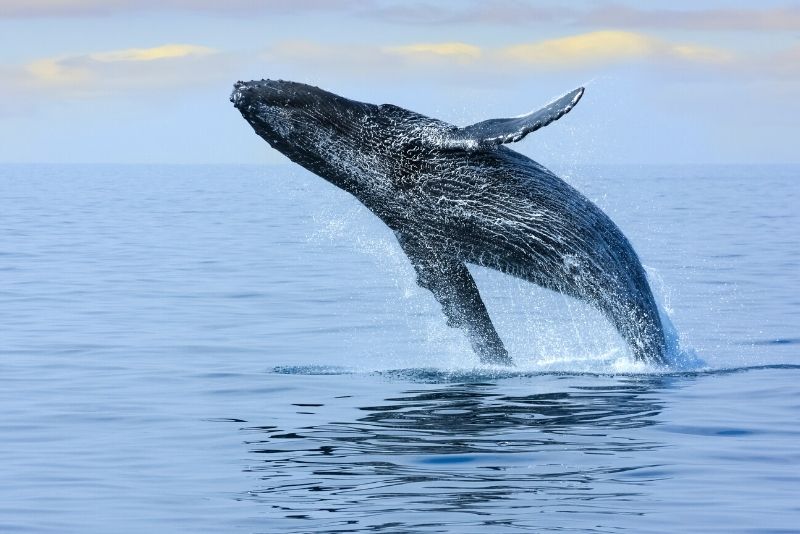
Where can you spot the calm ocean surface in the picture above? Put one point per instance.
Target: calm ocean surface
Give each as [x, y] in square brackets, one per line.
[243, 349]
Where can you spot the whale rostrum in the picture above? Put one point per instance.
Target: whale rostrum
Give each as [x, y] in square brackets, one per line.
[455, 196]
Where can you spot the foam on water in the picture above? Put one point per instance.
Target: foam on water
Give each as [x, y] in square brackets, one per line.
[545, 332]
[436, 375]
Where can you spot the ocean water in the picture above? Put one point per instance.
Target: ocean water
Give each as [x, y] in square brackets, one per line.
[243, 349]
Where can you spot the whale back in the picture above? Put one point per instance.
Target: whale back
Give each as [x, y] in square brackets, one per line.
[499, 209]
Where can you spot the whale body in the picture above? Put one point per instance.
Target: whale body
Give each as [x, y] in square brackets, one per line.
[454, 196]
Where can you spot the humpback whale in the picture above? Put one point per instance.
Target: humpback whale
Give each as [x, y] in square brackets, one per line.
[457, 195]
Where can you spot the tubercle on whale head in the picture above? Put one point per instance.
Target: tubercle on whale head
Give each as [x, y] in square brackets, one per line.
[314, 105]
[280, 104]
[331, 135]
[265, 92]
[281, 94]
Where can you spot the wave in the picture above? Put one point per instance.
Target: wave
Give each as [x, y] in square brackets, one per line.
[479, 374]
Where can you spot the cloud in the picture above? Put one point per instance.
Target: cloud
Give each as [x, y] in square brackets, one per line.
[527, 13]
[576, 52]
[169, 67]
[589, 48]
[51, 72]
[151, 54]
[101, 70]
[117, 71]
[484, 12]
[728, 19]
[59, 8]
[494, 12]
[604, 47]
[461, 52]
[400, 61]
[82, 8]
[581, 56]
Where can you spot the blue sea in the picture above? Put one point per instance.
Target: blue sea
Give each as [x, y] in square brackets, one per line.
[244, 349]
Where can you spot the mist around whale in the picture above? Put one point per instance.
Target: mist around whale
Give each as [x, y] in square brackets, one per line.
[456, 196]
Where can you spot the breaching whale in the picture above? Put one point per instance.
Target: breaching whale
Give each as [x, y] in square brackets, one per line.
[455, 196]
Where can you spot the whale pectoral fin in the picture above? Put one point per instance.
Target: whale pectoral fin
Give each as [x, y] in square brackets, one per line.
[499, 131]
[453, 286]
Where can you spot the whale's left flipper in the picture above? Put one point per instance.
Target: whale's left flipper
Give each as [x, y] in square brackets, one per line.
[499, 131]
[453, 286]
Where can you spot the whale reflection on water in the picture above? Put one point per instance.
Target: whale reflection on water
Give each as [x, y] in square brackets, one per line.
[443, 453]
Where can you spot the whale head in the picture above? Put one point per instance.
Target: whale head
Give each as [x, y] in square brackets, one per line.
[357, 146]
[290, 114]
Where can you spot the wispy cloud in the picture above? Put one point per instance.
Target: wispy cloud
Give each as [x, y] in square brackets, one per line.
[485, 12]
[168, 51]
[765, 18]
[581, 51]
[82, 8]
[618, 15]
[604, 47]
[168, 67]
[581, 56]
[460, 52]
[114, 71]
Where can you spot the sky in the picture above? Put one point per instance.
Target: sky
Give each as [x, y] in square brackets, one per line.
[148, 81]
